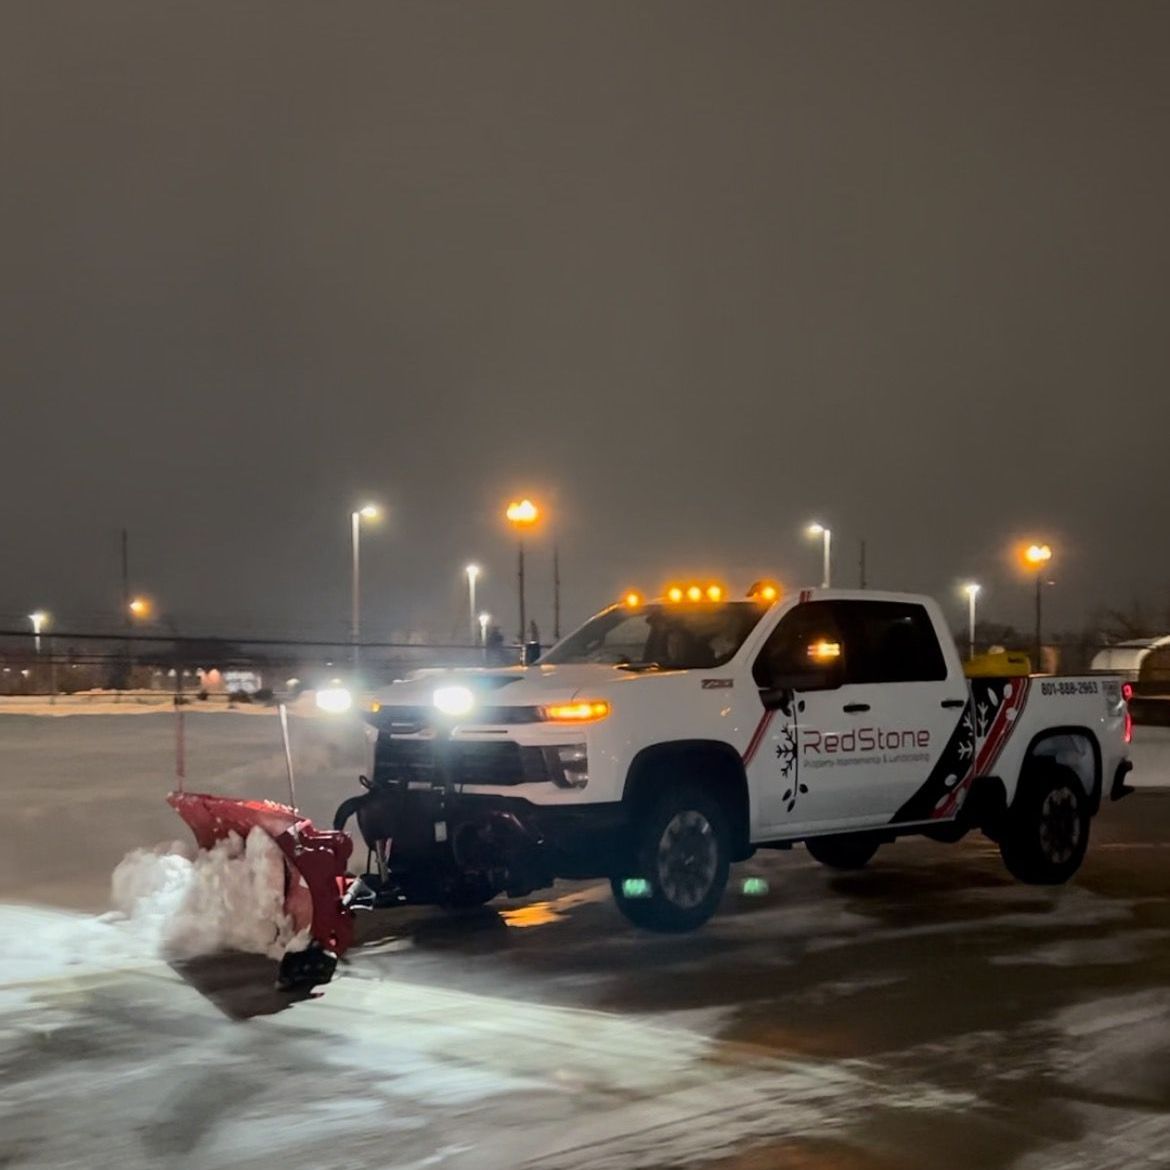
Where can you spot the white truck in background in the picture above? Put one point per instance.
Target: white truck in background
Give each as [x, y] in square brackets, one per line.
[665, 740]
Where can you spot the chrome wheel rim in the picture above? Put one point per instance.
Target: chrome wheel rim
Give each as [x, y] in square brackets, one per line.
[688, 859]
[1060, 825]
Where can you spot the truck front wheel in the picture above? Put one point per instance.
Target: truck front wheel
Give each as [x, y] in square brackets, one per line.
[1047, 829]
[683, 857]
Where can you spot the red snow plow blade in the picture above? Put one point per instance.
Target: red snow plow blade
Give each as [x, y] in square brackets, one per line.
[315, 863]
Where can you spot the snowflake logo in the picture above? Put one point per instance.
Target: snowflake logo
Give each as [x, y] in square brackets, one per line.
[786, 751]
[786, 754]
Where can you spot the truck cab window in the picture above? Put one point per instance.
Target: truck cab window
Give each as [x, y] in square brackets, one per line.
[791, 644]
[890, 641]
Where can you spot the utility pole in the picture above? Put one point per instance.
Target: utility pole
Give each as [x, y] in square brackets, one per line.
[861, 566]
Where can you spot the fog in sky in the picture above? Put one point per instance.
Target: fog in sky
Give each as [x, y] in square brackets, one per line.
[689, 274]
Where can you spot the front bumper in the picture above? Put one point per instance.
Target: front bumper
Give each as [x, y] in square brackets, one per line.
[434, 831]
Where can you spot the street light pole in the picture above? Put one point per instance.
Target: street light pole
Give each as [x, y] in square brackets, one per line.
[1039, 620]
[368, 512]
[38, 620]
[472, 575]
[826, 536]
[972, 591]
[520, 583]
[556, 593]
[521, 514]
[1038, 556]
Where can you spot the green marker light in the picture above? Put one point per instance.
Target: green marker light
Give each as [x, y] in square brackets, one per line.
[755, 887]
[635, 888]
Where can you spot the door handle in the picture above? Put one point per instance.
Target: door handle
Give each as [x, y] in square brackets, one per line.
[852, 707]
[953, 703]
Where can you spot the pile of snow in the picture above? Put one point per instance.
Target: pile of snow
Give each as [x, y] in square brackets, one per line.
[184, 903]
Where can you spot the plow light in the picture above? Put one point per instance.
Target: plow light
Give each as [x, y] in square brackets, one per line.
[454, 700]
[581, 711]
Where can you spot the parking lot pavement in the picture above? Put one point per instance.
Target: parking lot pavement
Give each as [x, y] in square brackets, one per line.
[927, 1011]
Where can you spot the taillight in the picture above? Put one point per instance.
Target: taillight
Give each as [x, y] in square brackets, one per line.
[1126, 695]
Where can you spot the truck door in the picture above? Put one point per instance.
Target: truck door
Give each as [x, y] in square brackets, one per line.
[906, 708]
[799, 770]
[866, 719]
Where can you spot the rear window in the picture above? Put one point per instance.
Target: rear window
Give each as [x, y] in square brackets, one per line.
[889, 641]
[877, 641]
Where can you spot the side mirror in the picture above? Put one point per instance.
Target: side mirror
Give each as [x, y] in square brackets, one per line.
[776, 699]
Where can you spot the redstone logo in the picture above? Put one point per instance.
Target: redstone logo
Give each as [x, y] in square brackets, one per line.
[863, 739]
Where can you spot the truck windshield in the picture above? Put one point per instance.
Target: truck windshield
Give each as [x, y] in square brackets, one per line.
[668, 637]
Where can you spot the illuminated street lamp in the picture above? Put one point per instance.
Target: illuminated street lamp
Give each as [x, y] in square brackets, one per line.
[826, 536]
[39, 620]
[972, 592]
[522, 515]
[1037, 557]
[473, 572]
[366, 512]
[484, 621]
[140, 608]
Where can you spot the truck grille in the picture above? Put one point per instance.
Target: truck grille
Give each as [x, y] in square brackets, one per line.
[459, 762]
[412, 720]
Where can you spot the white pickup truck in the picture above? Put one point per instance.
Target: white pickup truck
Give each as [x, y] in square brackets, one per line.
[664, 740]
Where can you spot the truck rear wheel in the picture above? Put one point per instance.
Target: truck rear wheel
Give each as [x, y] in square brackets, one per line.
[843, 850]
[683, 854]
[1047, 829]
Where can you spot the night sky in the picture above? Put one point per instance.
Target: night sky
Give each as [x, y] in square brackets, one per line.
[690, 275]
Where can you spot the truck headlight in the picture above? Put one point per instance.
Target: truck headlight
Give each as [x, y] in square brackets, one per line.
[454, 700]
[574, 765]
[334, 699]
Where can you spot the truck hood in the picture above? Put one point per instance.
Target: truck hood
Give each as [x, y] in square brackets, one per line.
[513, 686]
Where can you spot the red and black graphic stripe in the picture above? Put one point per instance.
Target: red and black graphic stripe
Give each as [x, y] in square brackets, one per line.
[950, 774]
[757, 737]
[974, 748]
